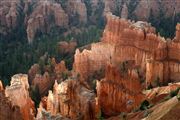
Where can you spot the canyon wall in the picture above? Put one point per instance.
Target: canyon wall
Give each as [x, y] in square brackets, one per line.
[87, 62]
[119, 91]
[35, 17]
[132, 41]
[138, 42]
[132, 56]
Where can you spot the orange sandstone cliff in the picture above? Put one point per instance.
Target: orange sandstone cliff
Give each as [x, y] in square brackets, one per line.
[108, 78]
[119, 91]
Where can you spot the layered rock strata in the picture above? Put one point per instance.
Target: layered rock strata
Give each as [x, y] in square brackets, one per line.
[119, 91]
[138, 41]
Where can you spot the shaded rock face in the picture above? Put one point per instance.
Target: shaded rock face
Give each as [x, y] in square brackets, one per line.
[18, 94]
[66, 48]
[9, 15]
[35, 69]
[45, 81]
[46, 15]
[37, 16]
[61, 71]
[8, 111]
[145, 8]
[72, 100]
[77, 8]
[119, 91]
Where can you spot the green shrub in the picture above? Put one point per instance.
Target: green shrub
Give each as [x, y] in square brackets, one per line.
[174, 92]
[100, 117]
[144, 105]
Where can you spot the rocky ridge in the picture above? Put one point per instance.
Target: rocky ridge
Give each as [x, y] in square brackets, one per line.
[42, 17]
[108, 78]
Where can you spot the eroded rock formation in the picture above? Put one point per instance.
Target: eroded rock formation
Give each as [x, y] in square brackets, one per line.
[46, 15]
[119, 91]
[18, 94]
[39, 16]
[1, 86]
[155, 61]
[77, 8]
[35, 69]
[9, 15]
[72, 100]
[87, 62]
[43, 82]
[138, 41]
[8, 111]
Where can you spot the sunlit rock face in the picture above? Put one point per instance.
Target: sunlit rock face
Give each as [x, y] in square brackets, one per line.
[18, 94]
[72, 100]
[1, 86]
[87, 62]
[178, 32]
[155, 93]
[8, 111]
[119, 91]
[138, 41]
[46, 15]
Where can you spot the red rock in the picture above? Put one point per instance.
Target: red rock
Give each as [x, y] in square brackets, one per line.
[1, 86]
[8, 111]
[118, 92]
[72, 100]
[178, 32]
[44, 83]
[38, 21]
[87, 62]
[35, 69]
[18, 94]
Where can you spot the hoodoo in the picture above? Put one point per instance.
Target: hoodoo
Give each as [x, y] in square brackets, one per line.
[77, 71]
